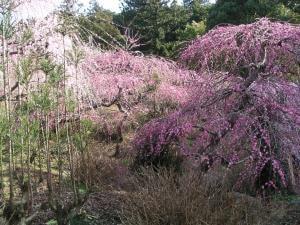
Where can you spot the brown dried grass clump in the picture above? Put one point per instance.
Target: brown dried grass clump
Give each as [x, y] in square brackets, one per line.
[165, 197]
[104, 166]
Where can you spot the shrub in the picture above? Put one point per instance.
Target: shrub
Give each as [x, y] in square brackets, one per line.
[165, 197]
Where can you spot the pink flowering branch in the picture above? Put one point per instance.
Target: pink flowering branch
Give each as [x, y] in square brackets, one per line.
[245, 109]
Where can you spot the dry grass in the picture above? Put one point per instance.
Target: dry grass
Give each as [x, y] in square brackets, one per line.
[101, 168]
[166, 198]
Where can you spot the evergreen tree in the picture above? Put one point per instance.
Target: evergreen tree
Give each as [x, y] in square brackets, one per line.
[157, 22]
[148, 18]
[198, 9]
[97, 25]
[241, 11]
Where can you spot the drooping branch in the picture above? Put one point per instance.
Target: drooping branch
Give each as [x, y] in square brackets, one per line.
[112, 102]
[249, 116]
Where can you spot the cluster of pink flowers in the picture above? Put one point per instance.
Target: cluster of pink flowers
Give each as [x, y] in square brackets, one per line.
[234, 48]
[134, 79]
[245, 109]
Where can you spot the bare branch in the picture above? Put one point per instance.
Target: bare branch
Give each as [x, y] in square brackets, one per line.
[13, 88]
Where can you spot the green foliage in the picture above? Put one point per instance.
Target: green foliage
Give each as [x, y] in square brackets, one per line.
[70, 101]
[75, 55]
[157, 22]
[7, 23]
[26, 36]
[67, 14]
[82, 189]
[192, 30]
[97, 26]
[46, 65]
[198, 9]
[81, 137]
[238, 12]
[3, 130]
[284, 12]
[42, 99]
[52, 222]
[25, 69]
[83, 219]
[53, 71]
[164, 25]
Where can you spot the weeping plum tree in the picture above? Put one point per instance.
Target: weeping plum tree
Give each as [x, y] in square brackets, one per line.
[135, 83]
[134, 89]
[245, 110]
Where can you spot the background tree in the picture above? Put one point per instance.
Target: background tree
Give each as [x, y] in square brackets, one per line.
[240, 11]
[192, 30]
[157, 21]
[97, 26]
[198, 9]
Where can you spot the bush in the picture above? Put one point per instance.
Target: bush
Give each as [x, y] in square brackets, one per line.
[165, 197]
